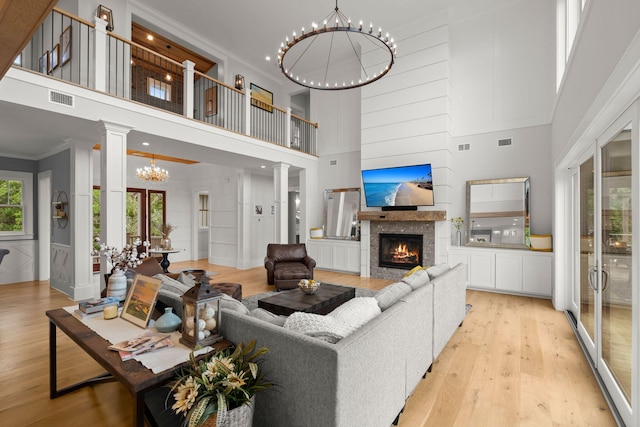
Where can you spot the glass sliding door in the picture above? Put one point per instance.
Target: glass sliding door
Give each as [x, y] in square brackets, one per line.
[616, 256]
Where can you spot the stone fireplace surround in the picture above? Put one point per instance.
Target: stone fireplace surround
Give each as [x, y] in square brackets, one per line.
[400, 222]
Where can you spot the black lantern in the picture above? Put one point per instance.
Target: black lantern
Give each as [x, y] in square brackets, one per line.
[201, 315]
[239, 82]
[105, 14]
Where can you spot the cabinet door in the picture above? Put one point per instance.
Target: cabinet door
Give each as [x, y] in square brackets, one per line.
[509, 272]
[482, 270]
[537, 275]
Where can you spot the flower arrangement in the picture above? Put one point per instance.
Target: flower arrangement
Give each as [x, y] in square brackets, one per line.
[167, 229]
[123, 259]
[457, 222]
[221, 382]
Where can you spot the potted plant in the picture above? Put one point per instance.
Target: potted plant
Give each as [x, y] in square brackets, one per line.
[120, 261]
[220, 389]
[165, 243]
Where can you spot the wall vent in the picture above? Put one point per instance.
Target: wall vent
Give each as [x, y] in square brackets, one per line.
[60, 98]
[464, 147]
[333, 162]
[504, 142]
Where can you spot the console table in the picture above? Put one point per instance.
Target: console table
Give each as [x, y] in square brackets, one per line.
[132, 374]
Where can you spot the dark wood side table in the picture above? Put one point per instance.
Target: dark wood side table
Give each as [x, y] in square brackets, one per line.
[324, 300]
[132, 374]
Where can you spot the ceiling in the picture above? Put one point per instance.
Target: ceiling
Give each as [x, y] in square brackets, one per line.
[248, 33]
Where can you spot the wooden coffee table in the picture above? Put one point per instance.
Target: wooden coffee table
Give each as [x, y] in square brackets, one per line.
[323, 301]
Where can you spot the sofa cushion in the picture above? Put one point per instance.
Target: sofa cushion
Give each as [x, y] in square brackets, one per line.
[437, 270]
[322, 327]
[231, 303]
[413, 270]
[418, 279]
[187, 279]
[391, 293]
[267, 316]
[355, 313]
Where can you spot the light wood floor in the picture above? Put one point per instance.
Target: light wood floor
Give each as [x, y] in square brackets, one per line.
[514, 362]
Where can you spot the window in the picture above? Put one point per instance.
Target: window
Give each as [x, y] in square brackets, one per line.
[203, 211]
[16, 203]
[159, 89]
[568, 16]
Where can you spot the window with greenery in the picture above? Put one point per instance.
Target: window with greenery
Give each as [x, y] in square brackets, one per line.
[203, 211]
[11, 206]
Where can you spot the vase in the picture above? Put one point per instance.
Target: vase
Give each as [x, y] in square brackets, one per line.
[458, 238]
[165, 242]
[168, 322]
[117, 285]
[237, 417]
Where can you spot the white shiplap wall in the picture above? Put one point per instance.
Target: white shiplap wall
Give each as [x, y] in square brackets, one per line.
[405, 115]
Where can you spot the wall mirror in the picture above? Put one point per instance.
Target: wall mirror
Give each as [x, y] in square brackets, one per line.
[341, 208]
[498, 212]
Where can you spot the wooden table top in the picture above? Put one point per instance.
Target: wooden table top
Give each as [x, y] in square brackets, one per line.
[131, 373]
[326, 298]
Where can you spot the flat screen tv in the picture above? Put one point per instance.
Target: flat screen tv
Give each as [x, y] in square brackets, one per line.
[398, 187]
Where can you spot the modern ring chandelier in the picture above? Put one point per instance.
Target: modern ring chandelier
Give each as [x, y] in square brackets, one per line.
[331, 55]
[152, 173]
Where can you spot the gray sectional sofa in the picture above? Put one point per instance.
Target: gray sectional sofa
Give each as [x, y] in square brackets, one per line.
[365, 377]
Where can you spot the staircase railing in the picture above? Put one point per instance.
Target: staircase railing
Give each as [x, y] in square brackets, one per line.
[84, 53]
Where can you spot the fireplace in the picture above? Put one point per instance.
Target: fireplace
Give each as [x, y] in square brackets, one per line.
[402, 251]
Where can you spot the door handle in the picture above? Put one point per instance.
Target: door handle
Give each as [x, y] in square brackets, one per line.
[593, 279]
[605, 280]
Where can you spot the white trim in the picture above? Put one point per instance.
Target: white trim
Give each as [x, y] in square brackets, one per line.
[27, 202]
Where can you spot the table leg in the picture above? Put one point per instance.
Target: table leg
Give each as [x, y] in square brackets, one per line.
[53, 371]
[165, 262]
[138, 409]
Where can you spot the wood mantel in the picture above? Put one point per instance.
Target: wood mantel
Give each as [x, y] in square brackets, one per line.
[402, 215]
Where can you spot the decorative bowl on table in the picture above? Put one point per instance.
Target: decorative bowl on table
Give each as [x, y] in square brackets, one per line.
[309, 286]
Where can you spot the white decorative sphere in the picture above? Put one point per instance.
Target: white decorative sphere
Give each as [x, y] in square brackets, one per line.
[201, 325]
[207, 313]
[211, 324]
[201, 336]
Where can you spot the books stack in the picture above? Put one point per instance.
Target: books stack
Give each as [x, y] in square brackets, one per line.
[97, 304]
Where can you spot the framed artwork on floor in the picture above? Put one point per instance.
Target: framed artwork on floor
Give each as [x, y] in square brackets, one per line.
[261, 98]
[65, 45]
[43, 65]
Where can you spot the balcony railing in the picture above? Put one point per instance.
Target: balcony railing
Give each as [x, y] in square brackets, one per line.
[84, 53]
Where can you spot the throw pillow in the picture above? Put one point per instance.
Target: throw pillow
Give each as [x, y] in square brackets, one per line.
[318, 326]
[437, 270]
[413, 270]
[231, 303]
[417, 279]
[392, 293]
[187, 279]
[267, 316]
[172, 285]
[355, 313]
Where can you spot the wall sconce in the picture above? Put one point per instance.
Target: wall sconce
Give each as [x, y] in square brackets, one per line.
[105, 14]
[239, 82]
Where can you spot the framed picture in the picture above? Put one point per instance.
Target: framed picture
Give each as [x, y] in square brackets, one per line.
[211, 101]
[54, 57]
[261, 98]
[141, 299]
[65, 45]
[43, 66]
[257, 210]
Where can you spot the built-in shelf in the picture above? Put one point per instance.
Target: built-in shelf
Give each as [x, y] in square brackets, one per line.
[402, 215]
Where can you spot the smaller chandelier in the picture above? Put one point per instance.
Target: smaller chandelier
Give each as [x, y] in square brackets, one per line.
[152, 173]
[329, 56]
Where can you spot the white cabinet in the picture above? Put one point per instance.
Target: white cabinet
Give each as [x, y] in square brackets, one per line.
[339, 255]
[506, 270]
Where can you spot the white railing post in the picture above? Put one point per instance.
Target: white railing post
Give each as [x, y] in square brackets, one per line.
[247, 110]
[187, 88]
[287, 129]
[100, 54]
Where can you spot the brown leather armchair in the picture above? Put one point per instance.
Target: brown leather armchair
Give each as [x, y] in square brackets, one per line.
[287, 264]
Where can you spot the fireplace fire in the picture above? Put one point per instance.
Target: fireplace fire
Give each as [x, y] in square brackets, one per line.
[402, 251]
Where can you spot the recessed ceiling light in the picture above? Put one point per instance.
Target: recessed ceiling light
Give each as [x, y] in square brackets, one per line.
[149, 37]
[262, 166]
[145, 143]
[268, 58]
